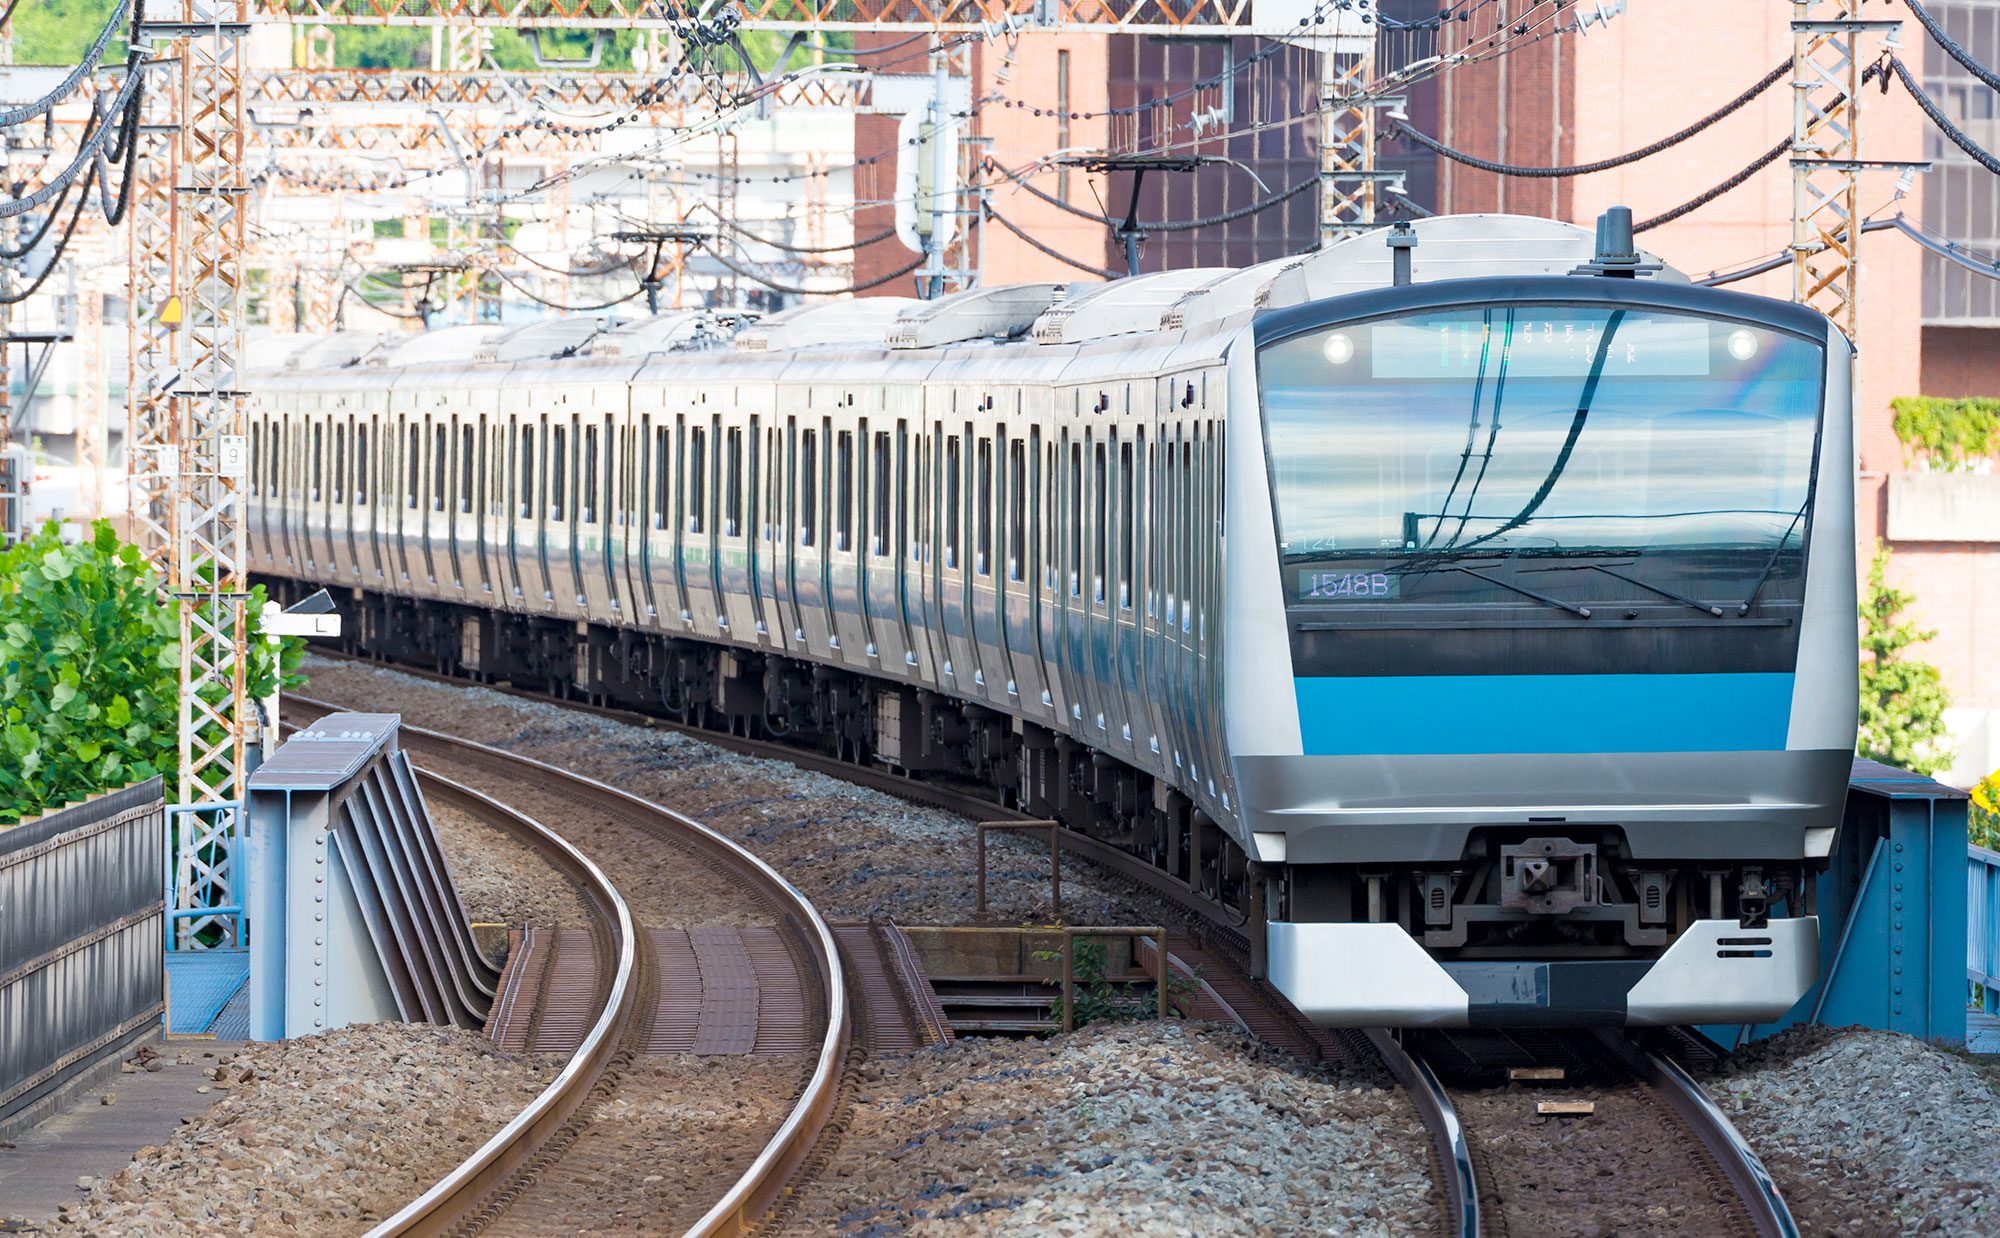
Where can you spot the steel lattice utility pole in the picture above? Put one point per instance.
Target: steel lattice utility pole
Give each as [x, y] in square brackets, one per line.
[152, 321]
[204, 483]
[1826, 156]
[1347, 173]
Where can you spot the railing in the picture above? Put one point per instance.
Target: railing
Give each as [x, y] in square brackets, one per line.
[80, 928]
[1982, 924]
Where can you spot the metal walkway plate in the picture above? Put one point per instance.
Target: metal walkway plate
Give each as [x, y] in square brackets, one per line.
[199, 984]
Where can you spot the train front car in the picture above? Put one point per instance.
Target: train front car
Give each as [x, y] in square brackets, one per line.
[1554, 722]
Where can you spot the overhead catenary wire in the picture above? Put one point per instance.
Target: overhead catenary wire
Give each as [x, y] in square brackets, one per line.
[1950, 46]
[1165, 225]
[793, 290]
[71, 80]
[1959, 138]
[1597, 165]
[86, 156]
[1058, 255]
[538, 298]
[1700, 200]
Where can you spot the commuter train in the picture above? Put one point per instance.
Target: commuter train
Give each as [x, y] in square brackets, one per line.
[1471, 615]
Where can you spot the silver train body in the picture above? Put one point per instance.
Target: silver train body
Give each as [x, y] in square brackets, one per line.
[1458, 634]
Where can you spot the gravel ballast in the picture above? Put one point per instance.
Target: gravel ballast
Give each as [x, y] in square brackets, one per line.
[326, 1134]
[500, 879]
[1148, 1128]
[1869, 1133]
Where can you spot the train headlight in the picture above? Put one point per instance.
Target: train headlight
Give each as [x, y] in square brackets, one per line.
[1338, 348]
[1742, 345]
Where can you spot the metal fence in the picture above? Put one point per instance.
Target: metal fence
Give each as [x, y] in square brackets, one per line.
[80, 933]
[1982, 924]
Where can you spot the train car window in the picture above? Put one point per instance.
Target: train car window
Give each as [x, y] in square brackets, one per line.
[413, 465]
[732, 480]
[1187, 533]
[1100, 537]
[697, 478]
[660, 461]
[774, 486]
[439, 483]
[466, 452]
[339, 464]
[808, 487]
[983, 544]
[843, 492]
[1035, 501]
[1075, 517]
[920, 532]
[558, 466]
[1017, 510]
[608, 475]
[1126, 547]
[586, 479]
[256, 459]
[277, 445]
[317, 442]
[902, 467]
[879, 533]
[953, 481]
[361, 464]
[527, 507]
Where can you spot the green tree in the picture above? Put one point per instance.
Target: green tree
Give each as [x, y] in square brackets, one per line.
[59, 32]
[1902, 700]
[88, 670]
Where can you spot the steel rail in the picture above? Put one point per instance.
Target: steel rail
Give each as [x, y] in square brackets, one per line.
[1754, 1186]
[1459, 1176]
[759, 1186]
[460, 1193]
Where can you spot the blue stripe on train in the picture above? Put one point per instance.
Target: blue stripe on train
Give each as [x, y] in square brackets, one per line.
[1464, 714]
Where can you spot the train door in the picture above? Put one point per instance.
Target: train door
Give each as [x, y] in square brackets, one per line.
[1131, 497]
[785, 515]
[767, 574]
[368, 481]
[597, 483]
[867, 540]
[947, 583]
[343, 495]
[751, 523]
[809, 575]
[491, 503]
[648, 456]
[986, 581]
[409, 456]
[892, 485]
[1015, 570]
[630, 517]
[843, 560]
[458, 498]
[697, 577]
[1031, 668]
[559, 513]
[1067, 612]
[734, 542]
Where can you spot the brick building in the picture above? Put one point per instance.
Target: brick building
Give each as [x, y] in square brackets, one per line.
[1928, 327]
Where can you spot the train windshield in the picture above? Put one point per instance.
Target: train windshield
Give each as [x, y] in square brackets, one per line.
[1536, 455]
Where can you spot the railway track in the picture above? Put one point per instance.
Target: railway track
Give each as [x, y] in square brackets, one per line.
[1467, 1165]
[1589, 1131]
[623, 988]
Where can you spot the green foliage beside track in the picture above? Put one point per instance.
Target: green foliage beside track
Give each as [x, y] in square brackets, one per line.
[88, 671]
[1902, 700]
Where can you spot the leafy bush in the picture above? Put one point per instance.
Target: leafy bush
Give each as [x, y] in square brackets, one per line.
[1982, 823]
[1902, 700]
[88, 671]
[1099, 1000]
[1950, 436]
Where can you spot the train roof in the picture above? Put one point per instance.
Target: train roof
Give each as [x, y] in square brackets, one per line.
[1181, 304]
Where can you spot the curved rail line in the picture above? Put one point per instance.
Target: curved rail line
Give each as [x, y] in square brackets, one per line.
[459, 1195]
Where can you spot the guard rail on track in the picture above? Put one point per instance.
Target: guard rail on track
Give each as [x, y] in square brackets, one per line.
[758, 1188]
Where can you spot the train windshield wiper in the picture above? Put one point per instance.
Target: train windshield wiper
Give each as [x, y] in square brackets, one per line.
[1649, 587]
[1581, 612]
